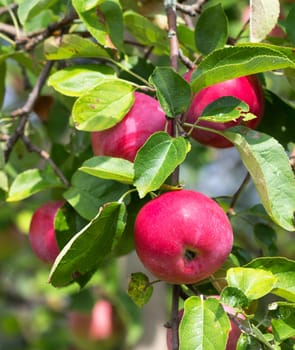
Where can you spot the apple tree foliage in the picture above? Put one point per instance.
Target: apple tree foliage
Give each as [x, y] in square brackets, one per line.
[74, 66]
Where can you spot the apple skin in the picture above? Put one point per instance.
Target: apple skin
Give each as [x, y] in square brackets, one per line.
[182, 236]
[100, 328]
[125, 138]
[247, 89]
[42, 234]
[233, 335]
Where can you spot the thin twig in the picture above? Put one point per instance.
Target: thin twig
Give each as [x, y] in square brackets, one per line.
[5, 9]
[191, 10]
[9, 30]
[43, 154]
[185, 60]
[24, 111]
[32, 39]
[238, 192]
[28, 106]
[174, 51]
[174, 316]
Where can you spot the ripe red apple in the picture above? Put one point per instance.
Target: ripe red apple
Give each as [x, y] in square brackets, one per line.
[125, 138]
[182, 236]
[233, 335]
[42, 234]
[99, 329]
[247, 89]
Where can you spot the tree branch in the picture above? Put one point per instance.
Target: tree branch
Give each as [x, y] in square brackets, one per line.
[32, 39]
[172, 33]
[191, 10]
[24, 111]
[43, 154]
[5, 9]
[174, 317]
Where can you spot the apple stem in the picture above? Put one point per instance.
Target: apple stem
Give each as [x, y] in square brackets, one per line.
[174, 316]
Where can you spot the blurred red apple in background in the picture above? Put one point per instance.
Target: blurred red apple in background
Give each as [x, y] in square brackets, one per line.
[101, 328]
[42, 234]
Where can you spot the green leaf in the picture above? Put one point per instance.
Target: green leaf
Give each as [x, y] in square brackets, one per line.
[283, 320]
[156, 160]
[270, 170]
[112, 13]
[103, 19]
[103, 106]
[146, 32]
[240, 60]
[284, 270]
[88, 193]
[204, 325]
[66, 223]
[281, 128]
[263, 17]
[290, 30]
[211, 29]
[140, 289]
[254, 283]
[226, 109]
[173, 92]
[266, 237]
[76, 80]
[109, 168]
[91, 247]
[32, 181]
[27, 9]
[71, 46]
[234, 297]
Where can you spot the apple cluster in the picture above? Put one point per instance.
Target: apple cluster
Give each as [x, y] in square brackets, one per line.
[181, 236]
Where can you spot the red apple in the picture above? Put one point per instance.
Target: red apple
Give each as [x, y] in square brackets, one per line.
[182, 236]
[247, 89]
[125, 138]
[233, 335]
[42, 234]
[99, 329]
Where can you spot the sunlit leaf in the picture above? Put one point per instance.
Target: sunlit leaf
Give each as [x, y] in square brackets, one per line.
[268, 164]
[76, 80]
[32, 181]
[71, 46]
[109, 168]
[103, 106]
[240, 60]
[254, 283]
[204, 325]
